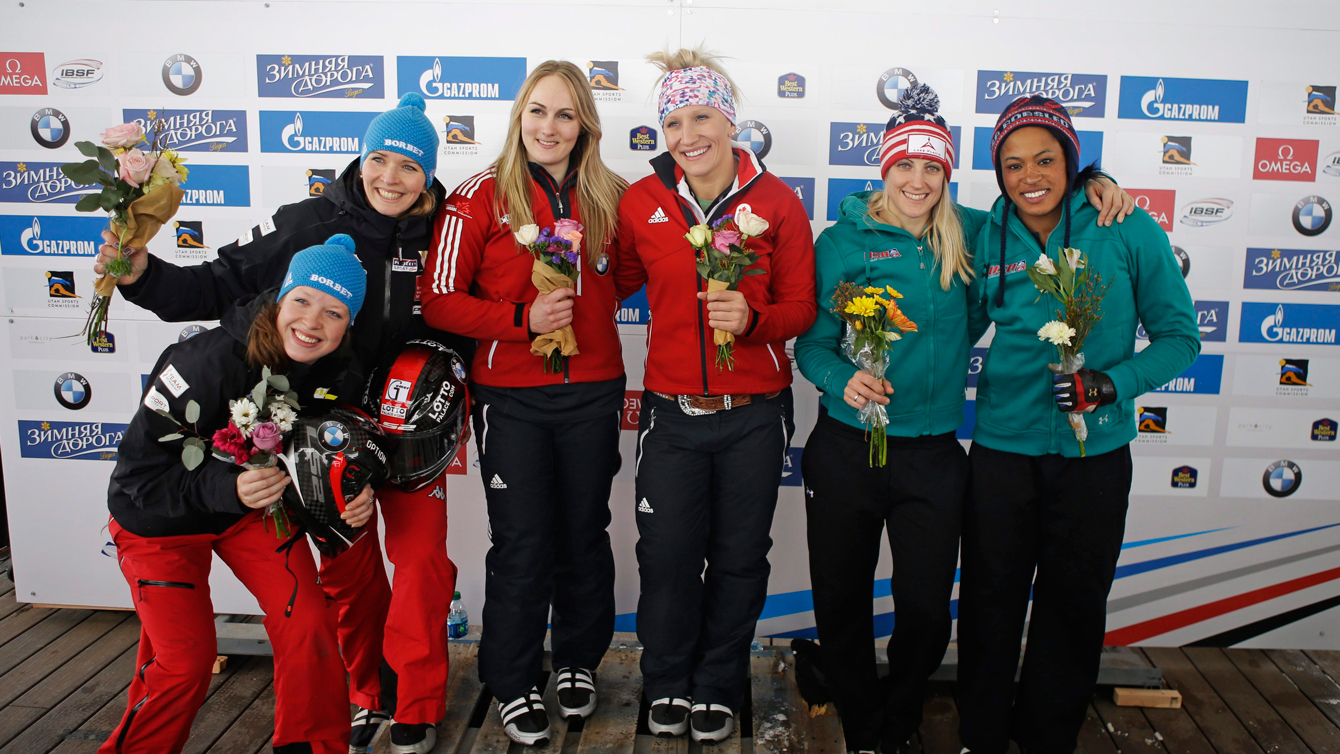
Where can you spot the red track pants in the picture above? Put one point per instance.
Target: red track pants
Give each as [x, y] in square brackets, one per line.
[169, 583]
[407, 624]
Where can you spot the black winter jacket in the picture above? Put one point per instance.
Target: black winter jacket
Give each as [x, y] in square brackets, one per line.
[390, 249]
[151, 493]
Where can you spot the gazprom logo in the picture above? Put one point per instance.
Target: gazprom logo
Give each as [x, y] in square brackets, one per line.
[1209, 100]
[1310, 324]
[25, 235]
[313, 131]
[39, 183]
[444, 77]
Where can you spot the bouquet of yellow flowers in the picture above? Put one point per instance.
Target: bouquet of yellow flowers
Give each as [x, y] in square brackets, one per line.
[873, 322]
[140, 192]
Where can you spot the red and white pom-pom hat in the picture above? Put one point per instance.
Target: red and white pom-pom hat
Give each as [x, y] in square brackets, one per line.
[917, 130]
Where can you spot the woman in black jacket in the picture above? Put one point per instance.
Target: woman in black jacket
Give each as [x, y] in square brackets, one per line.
[385, 200]
[168, 520]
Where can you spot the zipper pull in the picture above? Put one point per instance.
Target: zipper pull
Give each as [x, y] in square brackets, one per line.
[921, 256]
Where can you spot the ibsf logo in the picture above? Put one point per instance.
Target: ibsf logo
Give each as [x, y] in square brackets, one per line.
[194, 130]
[1293, 372]
[603, 75]
[891, 85]
[1152, 419]
[1331, 166]
[1292, 270]
[642, 139]
[38, 183]
[1203, 213]
[1312, 324]
[65, 236]
[1323, 430]
[77, 74]
[182, 74]
[1285, 160]
[1212, 100]
[1312, 215]
[321, 76]
[318, 179]
[854, 144]
[22, 73]
[1282, 478]
[1159, 203]
[1184, 477]
[85, 441]
[458, 136]
[60, 284]
[754, 135]
[1082, 95]
[791, 86]
[50, 128]
[73, 391]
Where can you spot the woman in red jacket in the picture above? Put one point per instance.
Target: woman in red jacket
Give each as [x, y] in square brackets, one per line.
[711, 440]
[548, 440]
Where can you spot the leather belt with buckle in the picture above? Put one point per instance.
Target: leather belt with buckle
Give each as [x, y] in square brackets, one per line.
[698, 405]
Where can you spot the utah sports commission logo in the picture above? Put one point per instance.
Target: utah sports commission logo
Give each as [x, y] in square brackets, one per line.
[1312, 215]
[50, 128]
[73, 391]
[603, 75]
[756, 136]
[891, 85]
[182, 74]
[1282, 478]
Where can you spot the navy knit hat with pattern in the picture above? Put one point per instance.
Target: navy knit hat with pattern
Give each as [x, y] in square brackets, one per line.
[331, 268]
[404, 130]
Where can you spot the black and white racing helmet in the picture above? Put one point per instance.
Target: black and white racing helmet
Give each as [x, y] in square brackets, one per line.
[331, 456]
[420, 398]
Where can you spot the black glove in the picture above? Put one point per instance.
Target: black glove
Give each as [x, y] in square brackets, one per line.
[1082, 391]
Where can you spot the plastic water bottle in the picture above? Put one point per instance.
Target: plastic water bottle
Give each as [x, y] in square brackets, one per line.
[458, 621]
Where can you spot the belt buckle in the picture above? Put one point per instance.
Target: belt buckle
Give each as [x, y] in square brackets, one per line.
[687, 407]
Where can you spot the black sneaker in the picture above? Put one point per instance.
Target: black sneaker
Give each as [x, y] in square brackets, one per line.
[367, 726]
[711, 722]
[576, 692]
[525, 719]
[412, 738]
[669, 717]
[301, 747]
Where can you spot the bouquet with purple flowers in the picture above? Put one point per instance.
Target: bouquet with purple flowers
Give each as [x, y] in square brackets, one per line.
[556, 251]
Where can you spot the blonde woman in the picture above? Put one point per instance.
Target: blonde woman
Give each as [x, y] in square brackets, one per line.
[548, 441]
[913, 238]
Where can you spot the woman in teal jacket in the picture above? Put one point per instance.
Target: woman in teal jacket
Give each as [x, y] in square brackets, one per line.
[910, 236]
[1035, 503]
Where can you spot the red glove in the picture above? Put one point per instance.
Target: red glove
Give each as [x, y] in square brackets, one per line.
[1082, 391]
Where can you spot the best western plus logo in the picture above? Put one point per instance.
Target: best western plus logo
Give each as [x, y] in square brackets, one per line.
[444, 77]
[194, 130]
[22, 73]
[86, 441]
[313, 131]
[1082, 95]
[321, 76]
[38, 183]
[1285, 160]
[1292, 270]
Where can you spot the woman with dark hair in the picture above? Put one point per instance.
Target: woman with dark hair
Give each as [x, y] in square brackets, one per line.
[168, 521]
[548, 438]
[385, 199]
[1046, 515]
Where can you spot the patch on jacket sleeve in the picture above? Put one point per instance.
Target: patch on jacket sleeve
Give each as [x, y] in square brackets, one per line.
[173, 381]
[875, 256]
[154, 400]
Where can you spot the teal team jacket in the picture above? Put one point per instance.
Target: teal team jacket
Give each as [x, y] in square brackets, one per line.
[928, 368]
[1015, 409]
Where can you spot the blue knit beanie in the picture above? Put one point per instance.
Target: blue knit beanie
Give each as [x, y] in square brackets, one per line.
[404, 130]
[331, 268]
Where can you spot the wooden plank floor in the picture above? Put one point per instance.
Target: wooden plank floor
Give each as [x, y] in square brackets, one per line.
[64, 674]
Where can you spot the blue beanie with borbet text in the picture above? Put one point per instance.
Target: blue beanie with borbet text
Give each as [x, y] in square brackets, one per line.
[331, 268]
[404, 130]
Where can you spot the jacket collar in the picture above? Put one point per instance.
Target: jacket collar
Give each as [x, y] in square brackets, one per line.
[748, 170]
[346, 193]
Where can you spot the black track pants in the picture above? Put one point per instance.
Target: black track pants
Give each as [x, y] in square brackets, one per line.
[547, 487]
[706, 491]
[918, 496]
[1064, 517]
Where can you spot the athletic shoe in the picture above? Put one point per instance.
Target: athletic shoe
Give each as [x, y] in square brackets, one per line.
[366, 728]
[525, 719]
[711, 722]
[412, 738]
[576, 692]
[669, 717]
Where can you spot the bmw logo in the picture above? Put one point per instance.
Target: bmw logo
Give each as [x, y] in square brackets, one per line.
[1282, 478]
[458, 368]
[756, 136]
[1312, 215]
[333, 435]
[73, 391]
[1183, 259]
[891, 85]
[50, 128]
[603, 264]
[190, 331]
[181, 74]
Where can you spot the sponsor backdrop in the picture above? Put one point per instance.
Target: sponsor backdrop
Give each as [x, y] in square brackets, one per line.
[1225, 129]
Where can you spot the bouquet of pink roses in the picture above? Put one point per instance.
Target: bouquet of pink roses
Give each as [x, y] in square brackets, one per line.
[723, 261]
[556, 253]
[140, 192]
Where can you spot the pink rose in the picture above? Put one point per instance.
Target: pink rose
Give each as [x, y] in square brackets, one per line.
[123, 136]
[722, 240]
[267, 437]
[135, 166]
[566, 226]
[574, 238]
